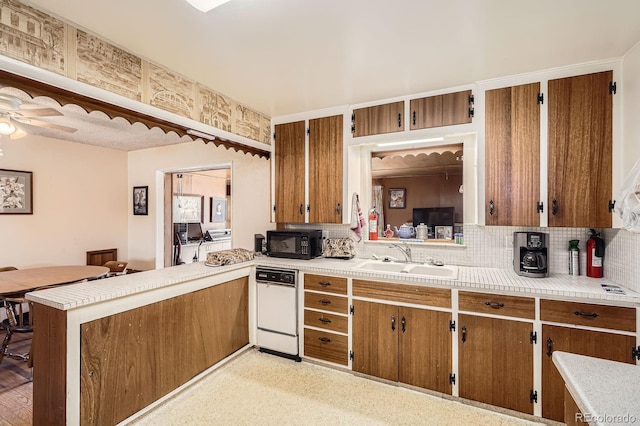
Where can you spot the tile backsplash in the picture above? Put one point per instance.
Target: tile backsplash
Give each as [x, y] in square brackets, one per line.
[486, 246]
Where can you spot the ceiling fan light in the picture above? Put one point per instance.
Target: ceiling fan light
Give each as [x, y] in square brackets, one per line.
[6, 126]
[19, 133]
[206, 5]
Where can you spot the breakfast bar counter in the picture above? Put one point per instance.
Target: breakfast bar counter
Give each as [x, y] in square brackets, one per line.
[603, 390]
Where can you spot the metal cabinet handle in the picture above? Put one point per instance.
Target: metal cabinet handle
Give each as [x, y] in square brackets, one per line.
[549, 346]
[301, 209]
[324, 302]
[494, 305]
[404, 324]
[324, 320]
[585, 314]
[393, 323]
[324, 283]
[339, 209]
[492, 207]
[413, 118]
[324, 339]
[399, 119]
[554, 207]
[464, 333]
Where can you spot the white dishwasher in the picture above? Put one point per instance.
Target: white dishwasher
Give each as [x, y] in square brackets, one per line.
[277, 311]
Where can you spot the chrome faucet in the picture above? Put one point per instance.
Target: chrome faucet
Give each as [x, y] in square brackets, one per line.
[405, 249]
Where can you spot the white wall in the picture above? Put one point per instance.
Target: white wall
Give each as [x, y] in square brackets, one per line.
[80, 203]
[631, 108]
[250, 193]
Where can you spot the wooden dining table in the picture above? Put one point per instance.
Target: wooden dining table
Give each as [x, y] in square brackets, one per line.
[22, 281]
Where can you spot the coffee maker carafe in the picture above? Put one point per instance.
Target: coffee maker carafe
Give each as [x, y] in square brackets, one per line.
[530, 254]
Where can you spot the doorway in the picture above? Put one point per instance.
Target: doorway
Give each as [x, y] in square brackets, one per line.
[200, 200]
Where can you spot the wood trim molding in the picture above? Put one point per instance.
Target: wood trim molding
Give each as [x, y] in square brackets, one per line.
[36, 88]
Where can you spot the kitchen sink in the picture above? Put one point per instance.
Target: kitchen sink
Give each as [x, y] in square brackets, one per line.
[449, 272]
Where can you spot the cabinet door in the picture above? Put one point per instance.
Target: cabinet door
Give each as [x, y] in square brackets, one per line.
[580, 145]
[615, 347]
[425, 349]
[426, 112]
[512, 153]
[496, 362]
[375, 339]
[289, 172]
[375, 120]
[325, 170]
[455, 108]
[440, 110]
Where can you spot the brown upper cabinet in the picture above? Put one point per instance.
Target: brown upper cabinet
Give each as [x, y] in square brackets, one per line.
[580, 150]
[289, 172]
[324, 171]
[441, 110]
[375, 120]
[512, 156]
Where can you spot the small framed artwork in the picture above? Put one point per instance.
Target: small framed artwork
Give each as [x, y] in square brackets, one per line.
[397, 198]
[140, 200]
[188, 208]
[16, 192]
[444, 232]
[218, 209]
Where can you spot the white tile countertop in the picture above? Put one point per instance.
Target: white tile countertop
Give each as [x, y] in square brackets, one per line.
[558, 286]
[605, 391]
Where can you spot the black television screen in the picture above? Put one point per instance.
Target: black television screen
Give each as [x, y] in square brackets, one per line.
[194, 232]
[433, 216]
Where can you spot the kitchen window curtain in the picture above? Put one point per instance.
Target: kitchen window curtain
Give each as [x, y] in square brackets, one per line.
[376, 197]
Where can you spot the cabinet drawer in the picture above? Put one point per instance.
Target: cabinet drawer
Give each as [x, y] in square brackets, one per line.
[327, 346]
[511, 306]
[327, 321]
[603, 316]
[325, 283]
[417, 294]
[326, 302]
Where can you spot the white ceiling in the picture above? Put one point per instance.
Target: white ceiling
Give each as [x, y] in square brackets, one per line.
[286, 56]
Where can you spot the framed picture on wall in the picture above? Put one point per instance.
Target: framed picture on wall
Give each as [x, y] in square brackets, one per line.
[218, 209]
[188, 208]
[16, 192]
[140, 200]
[397, 198]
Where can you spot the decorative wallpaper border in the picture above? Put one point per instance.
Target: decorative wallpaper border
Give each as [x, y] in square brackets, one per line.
[31, 36]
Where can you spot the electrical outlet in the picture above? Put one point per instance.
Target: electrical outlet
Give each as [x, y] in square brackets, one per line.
[508, 242]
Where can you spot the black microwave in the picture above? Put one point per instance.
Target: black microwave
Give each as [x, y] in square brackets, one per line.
[301, 244]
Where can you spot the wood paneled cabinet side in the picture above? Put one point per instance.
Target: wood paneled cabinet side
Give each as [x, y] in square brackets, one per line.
[580, 150]
[289, 172]
[512, 156]
[440, 110]
[325, 170]
[599, 344]
[402, 344]
[495, 362]
[131, 359]
[379, 119]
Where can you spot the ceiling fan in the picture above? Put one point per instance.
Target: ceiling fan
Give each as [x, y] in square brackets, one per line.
[12, 115]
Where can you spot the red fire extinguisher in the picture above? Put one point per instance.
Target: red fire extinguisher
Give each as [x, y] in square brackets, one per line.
[595, 254]
[373, 224]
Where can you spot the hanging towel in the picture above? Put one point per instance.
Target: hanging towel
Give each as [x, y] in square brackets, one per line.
[357, 218]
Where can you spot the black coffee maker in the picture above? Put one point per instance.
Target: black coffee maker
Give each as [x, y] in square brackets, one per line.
[530, 254]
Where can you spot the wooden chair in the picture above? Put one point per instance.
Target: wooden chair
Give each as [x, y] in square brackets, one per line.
[18, 320]
[116, 268]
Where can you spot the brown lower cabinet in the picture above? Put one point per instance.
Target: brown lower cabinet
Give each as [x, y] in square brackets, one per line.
[131, 359]
[495, 362]
[599, 344]
[401, 344]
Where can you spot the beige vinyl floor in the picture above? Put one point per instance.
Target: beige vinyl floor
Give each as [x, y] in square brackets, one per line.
[262, 389]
